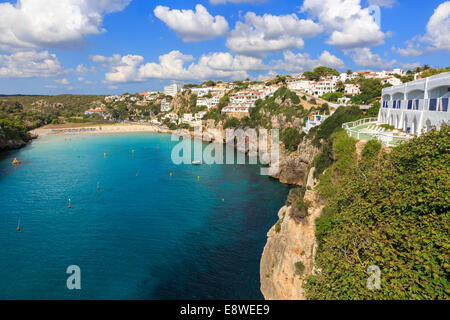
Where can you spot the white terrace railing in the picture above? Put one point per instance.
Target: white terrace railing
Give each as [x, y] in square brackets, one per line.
[387, 138]
[359, 122]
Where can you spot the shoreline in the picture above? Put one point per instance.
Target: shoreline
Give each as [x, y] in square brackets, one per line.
[99, 129]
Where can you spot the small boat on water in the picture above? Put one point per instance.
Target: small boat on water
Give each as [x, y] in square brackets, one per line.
[196, 162]
[15, 161]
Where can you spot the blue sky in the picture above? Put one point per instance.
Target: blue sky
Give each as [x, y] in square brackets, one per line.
[114, 46]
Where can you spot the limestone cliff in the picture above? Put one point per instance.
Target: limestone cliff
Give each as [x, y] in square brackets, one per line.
[289, 252]
[293, 167]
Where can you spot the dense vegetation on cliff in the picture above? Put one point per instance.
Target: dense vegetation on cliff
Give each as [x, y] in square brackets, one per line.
[389, 210]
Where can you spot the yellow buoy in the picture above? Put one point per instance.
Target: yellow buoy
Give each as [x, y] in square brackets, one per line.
[132, 150]
[223, 200]
[104, 154]
[171, 174]
[198, 178]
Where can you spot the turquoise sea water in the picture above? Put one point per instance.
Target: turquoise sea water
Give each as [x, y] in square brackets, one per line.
[151, 236]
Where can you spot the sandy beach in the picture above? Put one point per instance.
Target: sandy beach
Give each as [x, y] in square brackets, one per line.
[98, 129]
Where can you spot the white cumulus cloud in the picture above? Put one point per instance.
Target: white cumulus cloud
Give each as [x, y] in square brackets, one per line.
[178, 66]
[29, 64]
[438, 28]
[302, 61]
[349, 25]
[436, 37]
[52, 23]
[364, 57]
[261, 35]
[198, 25]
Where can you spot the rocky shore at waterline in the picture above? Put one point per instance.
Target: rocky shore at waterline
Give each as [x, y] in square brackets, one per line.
[8, 143]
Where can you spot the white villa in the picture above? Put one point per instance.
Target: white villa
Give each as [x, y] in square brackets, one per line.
[165, 106]
[392, 81]
[416, 106]
[314, 121]
[352, 89]
[200, 92]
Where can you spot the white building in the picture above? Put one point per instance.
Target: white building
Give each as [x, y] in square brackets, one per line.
[165, 105]
[200, 115]
[112, 98]
[100, 111]
[188, 117]
[172, 90]
[352, 89]
[200, 92]
[344, 100]
[237, 108]
[398, 71]
[314, 121]
[202, 102]
[418, 105]
[304, 85]
[319, 88]
[218, 92]
[392, 81]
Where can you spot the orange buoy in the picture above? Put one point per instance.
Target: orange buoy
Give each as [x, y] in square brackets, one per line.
[70, 207]
[18, 228]
[98, 188]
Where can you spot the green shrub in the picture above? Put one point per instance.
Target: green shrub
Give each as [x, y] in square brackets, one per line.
[291, 138]
[278, 226]
[387, 127]
[335, 122]
[299, 267]
[231, 123]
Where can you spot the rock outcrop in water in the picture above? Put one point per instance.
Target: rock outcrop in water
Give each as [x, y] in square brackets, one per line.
[7, 143]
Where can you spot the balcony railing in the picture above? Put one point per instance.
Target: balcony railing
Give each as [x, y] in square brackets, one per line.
[387, 138]
[438, 104]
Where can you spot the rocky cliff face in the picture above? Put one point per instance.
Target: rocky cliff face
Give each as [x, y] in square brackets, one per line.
[289, 253]
[293, 168]
[9, 144]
